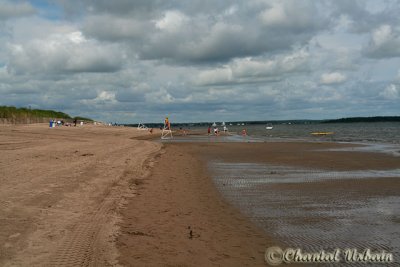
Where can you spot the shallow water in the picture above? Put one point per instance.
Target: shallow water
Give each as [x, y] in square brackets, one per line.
[312, 219]
[378, 132]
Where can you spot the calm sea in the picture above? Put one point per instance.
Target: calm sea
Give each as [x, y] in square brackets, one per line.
[380, 132]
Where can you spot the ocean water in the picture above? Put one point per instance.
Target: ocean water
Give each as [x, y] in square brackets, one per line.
[379, 132]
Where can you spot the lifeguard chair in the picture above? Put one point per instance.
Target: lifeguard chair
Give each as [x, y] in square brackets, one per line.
[166, 131]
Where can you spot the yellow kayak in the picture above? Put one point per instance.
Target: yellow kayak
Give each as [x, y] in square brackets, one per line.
[322, 133]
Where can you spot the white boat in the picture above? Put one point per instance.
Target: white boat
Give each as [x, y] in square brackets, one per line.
[214, 125]
[269, 127]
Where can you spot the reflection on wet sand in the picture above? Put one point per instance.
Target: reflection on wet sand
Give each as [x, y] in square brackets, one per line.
[316, 209]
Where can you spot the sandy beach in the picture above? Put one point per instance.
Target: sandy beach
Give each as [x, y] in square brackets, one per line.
[61, 191]
[112, 196]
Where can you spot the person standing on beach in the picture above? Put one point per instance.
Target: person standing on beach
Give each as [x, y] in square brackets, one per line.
[167, 125]
[209, 130]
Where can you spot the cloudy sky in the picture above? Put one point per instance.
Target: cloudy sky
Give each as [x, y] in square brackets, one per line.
[201, 60]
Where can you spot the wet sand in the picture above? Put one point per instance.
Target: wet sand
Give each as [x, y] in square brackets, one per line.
[181, 193]
[179, 219]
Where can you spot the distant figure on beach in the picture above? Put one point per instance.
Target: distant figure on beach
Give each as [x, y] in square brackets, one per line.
[167, 125]
[244, 133]
[225, 129]
[75, 121]
[209, 130]
[216, 131]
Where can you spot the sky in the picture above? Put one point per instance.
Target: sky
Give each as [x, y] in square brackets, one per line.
[132, 61]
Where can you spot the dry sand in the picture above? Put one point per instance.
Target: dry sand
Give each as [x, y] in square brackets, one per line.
[61, 190]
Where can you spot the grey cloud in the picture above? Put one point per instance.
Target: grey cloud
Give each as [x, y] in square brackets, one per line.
[106, 27]
[64, 53]
[294, 16]
[213, 33]
[384, 42]
[133, 94]
[15, 9]
[249, 70]
[363, 20]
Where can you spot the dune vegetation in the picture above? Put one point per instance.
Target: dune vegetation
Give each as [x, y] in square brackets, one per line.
[13, 115]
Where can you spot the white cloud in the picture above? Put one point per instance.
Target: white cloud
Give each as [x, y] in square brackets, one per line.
[391, 92]
[293, 15]
[255, 70]
[172, 21]
[162, 96]
[332, 78]
[60, 53]
[215, 76]
[382, 35]
[385, 42]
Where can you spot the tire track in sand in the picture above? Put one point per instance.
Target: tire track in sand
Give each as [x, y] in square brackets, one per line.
[80, 247]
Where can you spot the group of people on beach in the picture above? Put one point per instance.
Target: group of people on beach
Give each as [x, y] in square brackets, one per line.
[53, 123]
[216, 131]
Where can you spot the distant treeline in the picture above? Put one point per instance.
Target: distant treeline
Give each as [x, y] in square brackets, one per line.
[366, 119]
[9, 114]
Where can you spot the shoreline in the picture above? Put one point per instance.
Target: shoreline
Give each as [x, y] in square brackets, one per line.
[179, 218]
[183, 171]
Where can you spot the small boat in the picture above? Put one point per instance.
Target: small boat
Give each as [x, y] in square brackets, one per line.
[269, 127]
[214, 125]
[322, 133]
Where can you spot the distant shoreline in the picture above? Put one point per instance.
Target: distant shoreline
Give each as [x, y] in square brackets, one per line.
[365, 119]
[305, 121]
